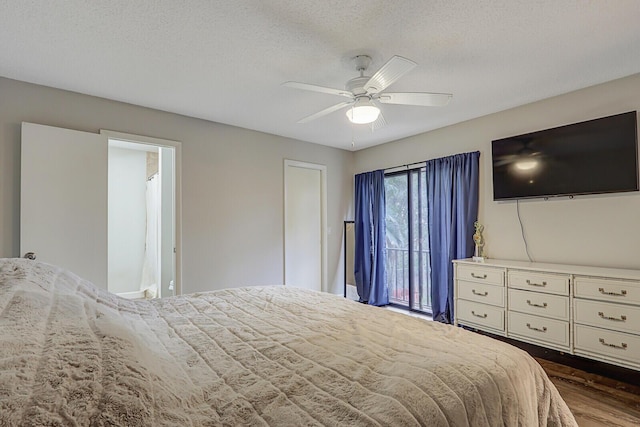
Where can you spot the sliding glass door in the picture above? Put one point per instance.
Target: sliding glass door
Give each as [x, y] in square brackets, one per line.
[407, 240]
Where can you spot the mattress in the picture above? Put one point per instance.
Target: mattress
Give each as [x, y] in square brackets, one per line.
[73, 354]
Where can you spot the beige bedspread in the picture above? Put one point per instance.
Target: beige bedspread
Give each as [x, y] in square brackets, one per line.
[71, 354]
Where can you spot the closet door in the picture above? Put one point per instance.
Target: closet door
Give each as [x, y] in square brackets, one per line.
[63, 199]
[305, 225]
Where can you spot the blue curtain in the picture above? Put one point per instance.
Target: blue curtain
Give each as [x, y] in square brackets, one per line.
[370, 235]
[452, 199]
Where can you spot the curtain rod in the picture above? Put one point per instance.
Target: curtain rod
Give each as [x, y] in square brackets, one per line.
[392, 169]
[400, 167]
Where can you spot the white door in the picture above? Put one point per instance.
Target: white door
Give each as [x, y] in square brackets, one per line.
[63, 199]
[304, 225]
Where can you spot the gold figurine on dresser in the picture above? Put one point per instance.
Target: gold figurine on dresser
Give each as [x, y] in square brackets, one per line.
[478, 239]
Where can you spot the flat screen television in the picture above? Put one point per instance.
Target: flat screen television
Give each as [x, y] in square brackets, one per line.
[596, 156]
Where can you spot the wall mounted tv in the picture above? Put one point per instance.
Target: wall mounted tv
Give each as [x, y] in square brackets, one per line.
[596, 156]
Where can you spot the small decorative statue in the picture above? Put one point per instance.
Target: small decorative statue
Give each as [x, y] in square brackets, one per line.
[478, 239]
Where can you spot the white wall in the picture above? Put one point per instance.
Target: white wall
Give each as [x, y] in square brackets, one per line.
[127, 218]
[592, 230]
[232, 183]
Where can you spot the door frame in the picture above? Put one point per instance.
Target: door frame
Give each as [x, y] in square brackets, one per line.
[323, 218]
[177, 146]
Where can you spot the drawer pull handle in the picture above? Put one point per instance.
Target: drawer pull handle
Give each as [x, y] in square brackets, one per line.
[533, 328]
[477, 276]
[622, 346]
[484, 316]
[615, 294]
[529, 282]
[482, 294]
[622, 318]
[533, 304]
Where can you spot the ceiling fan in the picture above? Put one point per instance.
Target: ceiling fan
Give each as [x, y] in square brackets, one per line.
[366, 93]
[525, 158]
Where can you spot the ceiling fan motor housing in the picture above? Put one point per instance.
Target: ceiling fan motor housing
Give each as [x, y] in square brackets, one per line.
[356, 85]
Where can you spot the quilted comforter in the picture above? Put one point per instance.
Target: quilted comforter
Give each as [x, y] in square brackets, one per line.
[72, 354]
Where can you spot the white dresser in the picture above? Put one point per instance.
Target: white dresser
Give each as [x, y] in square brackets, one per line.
[588, 311]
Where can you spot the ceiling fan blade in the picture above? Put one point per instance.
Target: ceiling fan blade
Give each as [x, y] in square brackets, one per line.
[321, 89]
[424, 99]
[395, 68]
[503, 162]
[379, 123]
[325, 112]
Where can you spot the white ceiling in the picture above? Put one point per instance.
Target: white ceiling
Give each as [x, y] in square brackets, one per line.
[225, 61]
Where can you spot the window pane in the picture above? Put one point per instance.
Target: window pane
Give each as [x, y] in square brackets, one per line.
[421, 288]
[407, 240]
[397, 238]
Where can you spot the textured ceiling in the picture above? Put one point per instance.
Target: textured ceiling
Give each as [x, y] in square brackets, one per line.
[225, 61]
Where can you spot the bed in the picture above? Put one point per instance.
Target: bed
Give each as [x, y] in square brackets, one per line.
[73, 354]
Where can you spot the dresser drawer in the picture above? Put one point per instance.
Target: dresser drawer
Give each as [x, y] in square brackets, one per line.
[617, 345]
[541, 282]
[481, 314]
[480, 292]
[624, 291]
[537, 328]
[480, 274]
[548, 305]
[607, 315]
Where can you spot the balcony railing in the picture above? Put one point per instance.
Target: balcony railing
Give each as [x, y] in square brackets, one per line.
[398, 278]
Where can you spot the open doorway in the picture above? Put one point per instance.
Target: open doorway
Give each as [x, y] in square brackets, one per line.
[141, 219]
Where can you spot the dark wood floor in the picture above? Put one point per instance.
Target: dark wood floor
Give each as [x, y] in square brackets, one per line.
[595, 400]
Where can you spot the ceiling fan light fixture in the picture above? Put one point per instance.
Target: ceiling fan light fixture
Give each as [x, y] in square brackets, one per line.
[363, 112]
[525, 165]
